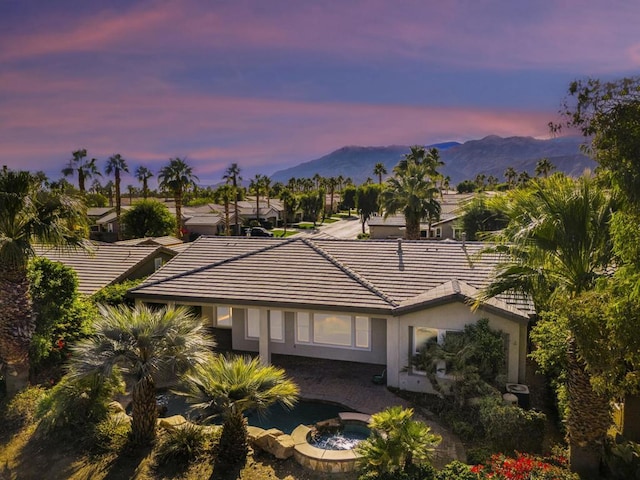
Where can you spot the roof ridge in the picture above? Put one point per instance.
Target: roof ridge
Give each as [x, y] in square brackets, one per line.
[214, 264]
[356, 276]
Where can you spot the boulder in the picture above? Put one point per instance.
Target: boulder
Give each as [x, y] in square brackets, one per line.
[277, 443]
[171, 423]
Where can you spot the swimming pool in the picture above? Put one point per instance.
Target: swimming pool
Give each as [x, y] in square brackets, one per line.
[306, 412]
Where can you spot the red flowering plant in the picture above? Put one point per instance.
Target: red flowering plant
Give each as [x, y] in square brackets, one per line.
[525, 467]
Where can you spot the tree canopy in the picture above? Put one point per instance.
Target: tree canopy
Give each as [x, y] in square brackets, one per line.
[148, 218]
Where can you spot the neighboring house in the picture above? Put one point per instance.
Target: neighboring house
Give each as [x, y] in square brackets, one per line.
[172, 243]
[107, 264]
[269, 211]
[205, 224]
[445, 228]
[362, 301]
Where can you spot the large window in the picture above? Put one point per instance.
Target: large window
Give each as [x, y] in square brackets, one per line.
[333, 330]
[224, 316]
[422, 336]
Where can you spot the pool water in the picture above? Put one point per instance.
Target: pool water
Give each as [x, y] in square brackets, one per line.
[346, 439]
[305, 412]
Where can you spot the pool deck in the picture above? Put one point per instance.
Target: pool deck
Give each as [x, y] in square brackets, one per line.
[349, 384]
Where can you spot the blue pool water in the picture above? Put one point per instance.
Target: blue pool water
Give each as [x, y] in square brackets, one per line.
[346, 439]
[306, 412]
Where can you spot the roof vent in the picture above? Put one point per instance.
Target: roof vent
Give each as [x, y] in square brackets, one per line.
[464, 238]
[399, 246]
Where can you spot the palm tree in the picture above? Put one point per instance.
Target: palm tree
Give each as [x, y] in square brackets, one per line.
[234, 385]
[116, 165]
[28, 214]
[379, 169]
[143, 174]
[257, 186]
[543, 167]
[558, 245]
[289, 205]
[510, 175]
[176, 178]
[85, 169]
[232, 175]
[143, 345]
[397, 442]
[412, 191]
[224, 194]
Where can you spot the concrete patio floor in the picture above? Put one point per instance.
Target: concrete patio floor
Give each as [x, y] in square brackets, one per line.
[349, 384]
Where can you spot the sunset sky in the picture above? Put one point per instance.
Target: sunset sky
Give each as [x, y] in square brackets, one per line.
[269, 83]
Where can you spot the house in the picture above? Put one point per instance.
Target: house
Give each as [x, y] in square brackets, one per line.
[447, 227]
[363, 301]
[106, 264]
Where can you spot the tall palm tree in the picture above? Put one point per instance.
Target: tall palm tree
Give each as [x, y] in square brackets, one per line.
[232, 176]
[331, 183]
[143, 174]
[177, 178]
[379, 169]
[28, 214]
[544, 167]
[257, 187]
[557, 244]
[510, 175]
[143, 345]
[116, 165]
[412, 191]
[224, 194]
[86, 169]
[234, 385]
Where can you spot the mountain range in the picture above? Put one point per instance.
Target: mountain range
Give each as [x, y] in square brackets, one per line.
[491, 155]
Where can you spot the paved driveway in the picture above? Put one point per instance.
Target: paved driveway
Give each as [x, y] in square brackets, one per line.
[348, 228]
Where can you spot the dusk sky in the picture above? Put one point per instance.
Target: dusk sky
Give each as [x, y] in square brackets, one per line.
[269, 84]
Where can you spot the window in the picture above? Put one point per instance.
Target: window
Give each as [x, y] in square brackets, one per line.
[362, 332]
[276, 325]
[422, 336]
[252, 323]
[157, 263]
[303, 327]
[332, 329]
[438, 232]
[224, 316]
[329, 329]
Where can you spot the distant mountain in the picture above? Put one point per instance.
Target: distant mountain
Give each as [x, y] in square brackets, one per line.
[491, 155]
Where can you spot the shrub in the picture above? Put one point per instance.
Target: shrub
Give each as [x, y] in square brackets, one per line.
[147, 218]
[21, 409]
[116, 294]
[524, 466]
[112, 433]
[184, 444]
[456, 470]
[414, 472]
[623, 460]
[510, 428]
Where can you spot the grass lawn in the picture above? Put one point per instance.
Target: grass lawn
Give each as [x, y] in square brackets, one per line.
[279, 232]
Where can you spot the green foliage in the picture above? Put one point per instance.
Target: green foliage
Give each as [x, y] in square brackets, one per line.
[116, 294]
[466, 186]
[63, 315]
[367, 197]
[413, 472]
[510, 428]
[21, 409]
[397, 442]
[349, 198]
[623, 460]
[524, 466]
[456, 470]
[73, 406]
[112, 433]
[184, 444]
[95, 200]
[479, 217]
[312, 205]
[147, 218]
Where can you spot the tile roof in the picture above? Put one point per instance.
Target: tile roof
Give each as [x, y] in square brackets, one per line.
[166, 240]
[346, 274]
[103, 265]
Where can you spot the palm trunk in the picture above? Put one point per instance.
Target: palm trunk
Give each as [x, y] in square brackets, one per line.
[412, 231]
[144, 412]
[118, 204]
[227, 220]
[17, 324]
[178, 201]
[232, 447]
[588, 419]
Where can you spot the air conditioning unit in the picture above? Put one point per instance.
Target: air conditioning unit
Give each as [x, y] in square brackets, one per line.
[521, 391]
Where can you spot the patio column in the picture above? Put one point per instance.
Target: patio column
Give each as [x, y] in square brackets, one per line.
[393, 351]
[263, 344]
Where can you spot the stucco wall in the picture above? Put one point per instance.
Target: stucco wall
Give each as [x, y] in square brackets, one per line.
[451, 316]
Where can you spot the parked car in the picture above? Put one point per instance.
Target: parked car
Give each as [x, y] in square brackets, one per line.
[258, 232]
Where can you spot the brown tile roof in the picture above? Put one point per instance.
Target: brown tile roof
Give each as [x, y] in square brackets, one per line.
[103, 265]
[345, 274]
